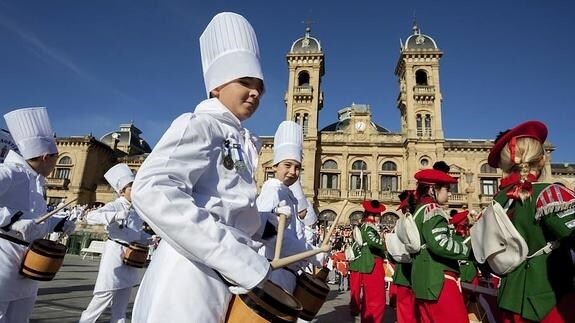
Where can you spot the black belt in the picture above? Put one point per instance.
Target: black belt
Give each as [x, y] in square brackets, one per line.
[14, 240]
[121, 243]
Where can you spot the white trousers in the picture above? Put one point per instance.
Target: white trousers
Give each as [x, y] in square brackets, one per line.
[119, 299]
[17, 311]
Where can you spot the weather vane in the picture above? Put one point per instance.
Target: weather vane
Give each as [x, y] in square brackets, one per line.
[308, 23]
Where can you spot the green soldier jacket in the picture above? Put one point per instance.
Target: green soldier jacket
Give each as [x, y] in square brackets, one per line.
[373, 246]
[441, 251]
[535, 287]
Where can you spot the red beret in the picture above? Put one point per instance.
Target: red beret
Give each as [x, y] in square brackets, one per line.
[433, 176]
[373, 206]
[533, 129]
[459, 218]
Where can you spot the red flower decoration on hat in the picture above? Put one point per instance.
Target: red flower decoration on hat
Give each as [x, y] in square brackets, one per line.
[373, 206]
[433, 176]
[533, 129]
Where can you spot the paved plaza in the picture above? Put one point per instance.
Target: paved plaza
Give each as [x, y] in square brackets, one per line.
[63, 299]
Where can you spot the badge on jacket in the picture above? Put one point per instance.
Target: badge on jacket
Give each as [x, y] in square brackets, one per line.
[232, 156]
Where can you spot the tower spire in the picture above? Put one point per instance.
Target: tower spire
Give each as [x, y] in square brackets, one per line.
[415, 28]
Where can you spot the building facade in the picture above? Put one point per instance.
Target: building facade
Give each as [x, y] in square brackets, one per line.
[344, 163]
[355, 158]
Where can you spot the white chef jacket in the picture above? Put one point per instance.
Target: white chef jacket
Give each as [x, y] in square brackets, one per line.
[273, 191]
[113, 273]
[205, 214]
[21, 189]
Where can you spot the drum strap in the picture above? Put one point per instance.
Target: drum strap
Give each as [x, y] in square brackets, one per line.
[121, 243]
[14, 240]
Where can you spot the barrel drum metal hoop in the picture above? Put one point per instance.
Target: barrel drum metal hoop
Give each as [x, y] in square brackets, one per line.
[312, 293]
[268, 304]
[136, 255]
[43, 259]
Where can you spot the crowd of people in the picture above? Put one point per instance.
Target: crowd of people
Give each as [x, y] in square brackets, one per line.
[220, 238]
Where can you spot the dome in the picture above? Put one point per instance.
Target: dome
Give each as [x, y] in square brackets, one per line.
[419, 41]
[346, 114]
[306, 44]
[127, 139]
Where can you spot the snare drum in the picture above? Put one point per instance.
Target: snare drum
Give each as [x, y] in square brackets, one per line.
[136, 255]
[43, 259]
[269, 304]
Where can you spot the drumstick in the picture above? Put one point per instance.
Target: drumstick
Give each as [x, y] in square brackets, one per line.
[280, 235]
[283, 262]
[325, 241]
[47, 215]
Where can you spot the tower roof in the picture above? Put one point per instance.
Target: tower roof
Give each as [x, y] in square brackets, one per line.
[418, 40]
[128, 138]
[306, 44]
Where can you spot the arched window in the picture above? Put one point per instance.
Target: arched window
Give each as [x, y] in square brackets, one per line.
[297, 118]
[358, 176]
[329, 175]
[65, 161]
[327, 215]
[63, 168]
[388, 180]
[419, 125]
[303, 79]
[428, 125]
[421, 77]
[359, 165]
[329, 164]
[355, 217]
[389, 166]
[305, 123]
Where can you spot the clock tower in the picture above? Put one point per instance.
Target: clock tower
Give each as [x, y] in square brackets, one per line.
[304, 99]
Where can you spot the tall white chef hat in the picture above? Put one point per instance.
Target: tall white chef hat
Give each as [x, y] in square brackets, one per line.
[32, 131]
[119, 176]
[229, 50]
[288, 142]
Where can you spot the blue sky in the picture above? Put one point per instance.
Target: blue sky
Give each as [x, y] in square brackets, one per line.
[96, 64]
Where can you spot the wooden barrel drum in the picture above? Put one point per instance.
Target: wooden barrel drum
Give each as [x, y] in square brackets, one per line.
[43, 259]
[136, 255]
[312, 293]
[269, 304]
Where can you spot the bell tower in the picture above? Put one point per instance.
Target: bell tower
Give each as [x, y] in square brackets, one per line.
[419, 100]
[304, 99]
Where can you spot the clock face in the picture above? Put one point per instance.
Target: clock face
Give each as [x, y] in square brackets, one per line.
[360, 126]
